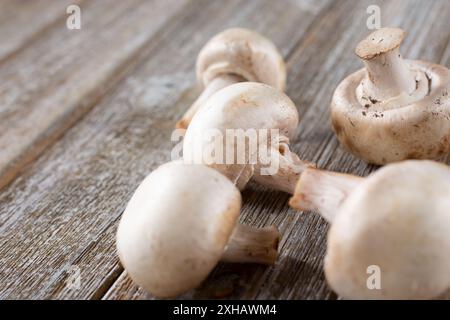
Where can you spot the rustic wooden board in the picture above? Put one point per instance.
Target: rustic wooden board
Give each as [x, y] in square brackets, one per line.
[49, 85]
[123, 42]
[22, 21]
[61, 214]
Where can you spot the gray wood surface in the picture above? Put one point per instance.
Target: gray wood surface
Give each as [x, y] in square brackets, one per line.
[86, 115]
[22, 22]
[49, 85]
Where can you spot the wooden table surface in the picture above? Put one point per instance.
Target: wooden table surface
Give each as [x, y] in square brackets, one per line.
[86, 114]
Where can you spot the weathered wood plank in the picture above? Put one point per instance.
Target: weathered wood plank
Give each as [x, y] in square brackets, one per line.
[144, 20]
[81, 185]
[63, 211]
[22, 21]
[47, 87]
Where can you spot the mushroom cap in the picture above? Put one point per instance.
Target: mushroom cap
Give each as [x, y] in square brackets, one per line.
[176, 226]
[248, 105]
[244, 105]
[244, 53]
[398, 220]
[419, 130]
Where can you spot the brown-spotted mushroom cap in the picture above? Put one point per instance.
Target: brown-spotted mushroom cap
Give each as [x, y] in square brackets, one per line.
[252, 110]
[179, 223]
[393, 109]
[397, 219]
[236, 55]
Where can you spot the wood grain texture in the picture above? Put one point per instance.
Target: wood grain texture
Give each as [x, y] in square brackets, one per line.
[22, 21]
[61, 214]
[48, 86]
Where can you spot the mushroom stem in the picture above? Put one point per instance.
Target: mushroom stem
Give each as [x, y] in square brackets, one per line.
[252, 245]
[290, 167]
[388, 75]
[213, 86]
[323, 191]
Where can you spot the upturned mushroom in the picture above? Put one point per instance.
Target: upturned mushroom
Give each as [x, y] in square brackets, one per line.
[243, 131]
[393, 109]
[395, 222]
[180, 222]
[232, 56]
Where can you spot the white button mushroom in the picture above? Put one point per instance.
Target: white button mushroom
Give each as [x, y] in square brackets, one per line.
[232, 56]
[393, 109]
[179, 223]
[396, 222]
[263, 119]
